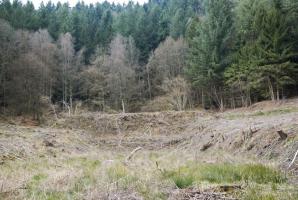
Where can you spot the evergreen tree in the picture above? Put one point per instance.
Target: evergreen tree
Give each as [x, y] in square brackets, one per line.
[211, 48]
[267, 62]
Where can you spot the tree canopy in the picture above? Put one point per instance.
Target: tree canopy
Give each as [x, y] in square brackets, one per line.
[224, 53]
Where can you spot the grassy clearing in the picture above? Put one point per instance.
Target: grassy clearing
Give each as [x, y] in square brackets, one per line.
[81, 177]
[187, 176]
[82, 170]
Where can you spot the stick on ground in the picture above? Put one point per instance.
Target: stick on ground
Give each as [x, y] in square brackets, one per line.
[128, 158]
[295, 156]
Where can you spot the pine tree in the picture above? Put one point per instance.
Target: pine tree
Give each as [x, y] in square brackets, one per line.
[267, 61]
[211, 48]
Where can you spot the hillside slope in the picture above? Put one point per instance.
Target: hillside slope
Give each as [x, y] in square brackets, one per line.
[166, 155]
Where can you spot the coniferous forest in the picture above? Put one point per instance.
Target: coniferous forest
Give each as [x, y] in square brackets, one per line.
[163, 55]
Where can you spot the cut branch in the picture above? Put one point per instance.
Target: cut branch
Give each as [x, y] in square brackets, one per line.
[295, 156]
[132, 154]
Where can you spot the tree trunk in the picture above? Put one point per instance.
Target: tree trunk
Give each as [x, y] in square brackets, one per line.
[123, 107]
[149, 84]
[271, 90]
[222, 107]
[277, 94]
[203, 99]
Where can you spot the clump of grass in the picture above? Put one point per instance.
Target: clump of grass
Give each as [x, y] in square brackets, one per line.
[183, 177]
[84, 162]
[227, 173]
[258, 192]
[224, 173]
[89, 166]
[32, 186]
[254, 194]
[261, 174]
[38, 177]
[149, 193]
[54, 195]
[219, 173]
[120, 174]
[183, 181]
[116, 172]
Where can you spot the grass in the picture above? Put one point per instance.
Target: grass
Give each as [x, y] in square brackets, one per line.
[149, 193]
[117, 172]
[258, 192]
[254, 194]
[186, 176]
[96, 172]
[275, 112]
[264, 113]
[36, 188]
[92, 175]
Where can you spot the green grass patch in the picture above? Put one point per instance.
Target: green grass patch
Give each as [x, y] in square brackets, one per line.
[183, 177]
[84, 162]
[89, 178]
[33, 185]
[120, 174]
[186, 176]
[116, 172]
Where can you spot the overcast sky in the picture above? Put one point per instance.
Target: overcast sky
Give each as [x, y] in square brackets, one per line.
[73, 2]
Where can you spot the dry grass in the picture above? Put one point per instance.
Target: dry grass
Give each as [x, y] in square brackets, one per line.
[63, 163]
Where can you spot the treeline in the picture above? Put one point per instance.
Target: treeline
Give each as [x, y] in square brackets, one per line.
[244, 51]
[165, 54]
[95, 26]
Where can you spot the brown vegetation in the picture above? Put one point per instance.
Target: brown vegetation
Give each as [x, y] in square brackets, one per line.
[149, 155]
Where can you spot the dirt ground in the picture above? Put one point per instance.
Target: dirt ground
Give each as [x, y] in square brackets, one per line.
[129, 156]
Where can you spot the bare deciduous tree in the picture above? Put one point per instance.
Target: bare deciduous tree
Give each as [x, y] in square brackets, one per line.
[177, 92]
[167, 61]
[67, 56]
[119, 71]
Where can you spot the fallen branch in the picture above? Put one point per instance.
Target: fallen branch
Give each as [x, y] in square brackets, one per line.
[158, 168]
[132, 154]
[295, 156]
[206, 146]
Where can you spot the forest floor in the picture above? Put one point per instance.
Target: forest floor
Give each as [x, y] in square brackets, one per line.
[237, 154]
